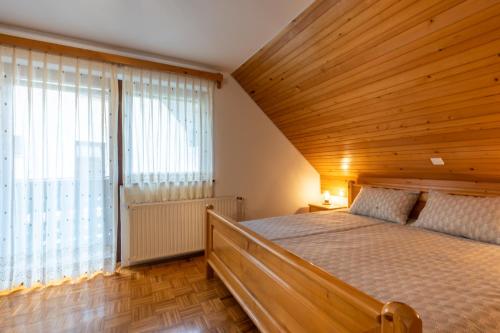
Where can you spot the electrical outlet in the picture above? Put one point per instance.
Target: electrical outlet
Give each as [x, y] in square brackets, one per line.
[437, 161]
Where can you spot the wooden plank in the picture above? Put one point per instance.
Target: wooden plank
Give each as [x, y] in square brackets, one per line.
[398, 117]
[288, 35]
[407, 43]
[344, 50]
[65, 50]
[434, 98]
[333, 89]
[382, 71]
[324, 27]
[168, 296]
[387, 84]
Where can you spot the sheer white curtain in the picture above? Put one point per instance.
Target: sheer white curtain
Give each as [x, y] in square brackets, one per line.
[57, 171]
[167, 136]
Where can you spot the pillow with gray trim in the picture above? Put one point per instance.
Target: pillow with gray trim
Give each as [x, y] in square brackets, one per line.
[477, 218]
[385, 204]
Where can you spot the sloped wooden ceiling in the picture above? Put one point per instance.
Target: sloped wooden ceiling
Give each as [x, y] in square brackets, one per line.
[366, 87]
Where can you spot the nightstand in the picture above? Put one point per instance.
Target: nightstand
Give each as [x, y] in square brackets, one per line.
[315, 207]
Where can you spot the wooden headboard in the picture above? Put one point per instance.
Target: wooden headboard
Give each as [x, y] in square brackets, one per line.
[424, 185]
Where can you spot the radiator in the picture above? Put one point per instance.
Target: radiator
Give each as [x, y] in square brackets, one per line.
[153, 231]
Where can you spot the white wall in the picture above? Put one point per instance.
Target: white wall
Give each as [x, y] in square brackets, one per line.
[253, 159]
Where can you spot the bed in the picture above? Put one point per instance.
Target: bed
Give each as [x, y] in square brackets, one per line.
[337, 272]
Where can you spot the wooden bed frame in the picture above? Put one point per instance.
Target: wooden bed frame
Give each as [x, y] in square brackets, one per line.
[282, 292]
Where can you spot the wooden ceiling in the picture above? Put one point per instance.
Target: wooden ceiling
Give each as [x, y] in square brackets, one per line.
[377, 87]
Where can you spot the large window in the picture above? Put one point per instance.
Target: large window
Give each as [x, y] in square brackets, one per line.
[58, 169]
[60, 163]
[167, 136]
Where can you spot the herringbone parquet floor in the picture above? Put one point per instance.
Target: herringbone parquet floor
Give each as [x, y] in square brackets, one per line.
[168, 297]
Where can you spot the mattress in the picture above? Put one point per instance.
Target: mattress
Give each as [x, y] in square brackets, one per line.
[289, 226]
[453, 283]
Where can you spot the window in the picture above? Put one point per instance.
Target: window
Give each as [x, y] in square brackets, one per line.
[167, 136]
[59, 157]
[58, 167]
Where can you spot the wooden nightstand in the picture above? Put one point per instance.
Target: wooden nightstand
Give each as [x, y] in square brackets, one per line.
[315, 207]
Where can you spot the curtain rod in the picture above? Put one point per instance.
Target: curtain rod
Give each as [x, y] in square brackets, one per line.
[77, 52]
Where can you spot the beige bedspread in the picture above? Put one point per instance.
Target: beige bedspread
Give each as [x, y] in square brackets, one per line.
[279, 227]
[452, 282]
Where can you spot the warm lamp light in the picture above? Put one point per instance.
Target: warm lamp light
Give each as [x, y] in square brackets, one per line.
[339, 199]
[326, 198]
[344, 163]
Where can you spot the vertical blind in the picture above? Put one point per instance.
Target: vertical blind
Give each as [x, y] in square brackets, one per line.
[58, 170]
[167, 136]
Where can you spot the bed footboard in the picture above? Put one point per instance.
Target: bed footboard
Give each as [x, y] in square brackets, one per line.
[283, 292]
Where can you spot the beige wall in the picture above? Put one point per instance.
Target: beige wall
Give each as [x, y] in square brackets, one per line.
[253, 159]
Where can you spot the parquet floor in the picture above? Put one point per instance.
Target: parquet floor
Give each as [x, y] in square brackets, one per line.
[168, 297]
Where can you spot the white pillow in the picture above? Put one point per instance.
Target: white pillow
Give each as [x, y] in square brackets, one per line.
[476, 218]
[385, 204]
